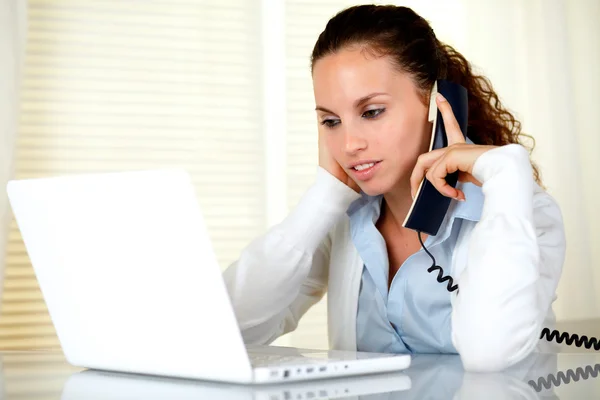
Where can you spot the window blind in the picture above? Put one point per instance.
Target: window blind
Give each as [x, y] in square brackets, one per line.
[112, 85]
[35, 376]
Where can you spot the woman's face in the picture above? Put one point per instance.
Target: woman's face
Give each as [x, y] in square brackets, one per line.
[370, 114]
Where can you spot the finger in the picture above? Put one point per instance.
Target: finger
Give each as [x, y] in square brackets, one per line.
[424, 162]
[453, 131]
[437, 176]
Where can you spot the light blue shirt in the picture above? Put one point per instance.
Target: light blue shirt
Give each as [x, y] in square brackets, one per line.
[414, 316]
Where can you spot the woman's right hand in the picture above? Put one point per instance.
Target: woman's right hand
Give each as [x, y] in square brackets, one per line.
[327, 162]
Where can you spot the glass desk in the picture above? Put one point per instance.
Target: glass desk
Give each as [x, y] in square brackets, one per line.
[46, 375]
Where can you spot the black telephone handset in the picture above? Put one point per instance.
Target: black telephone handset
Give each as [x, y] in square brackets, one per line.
[430, 206]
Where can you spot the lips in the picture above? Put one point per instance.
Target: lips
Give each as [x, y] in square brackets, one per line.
[364, 170]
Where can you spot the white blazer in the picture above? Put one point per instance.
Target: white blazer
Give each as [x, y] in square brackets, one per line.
[507, 266]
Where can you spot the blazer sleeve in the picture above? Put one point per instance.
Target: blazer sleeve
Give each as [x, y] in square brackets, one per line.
[282, 273]
[514, 263]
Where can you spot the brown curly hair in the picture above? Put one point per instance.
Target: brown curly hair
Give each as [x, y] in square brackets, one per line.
[399, 32]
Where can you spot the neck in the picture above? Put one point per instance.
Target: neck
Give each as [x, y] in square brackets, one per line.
[397, 205]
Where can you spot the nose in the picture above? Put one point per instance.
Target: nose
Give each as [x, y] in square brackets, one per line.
[353, 141]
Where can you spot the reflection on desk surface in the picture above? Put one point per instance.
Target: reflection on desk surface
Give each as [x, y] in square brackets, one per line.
[46, 375]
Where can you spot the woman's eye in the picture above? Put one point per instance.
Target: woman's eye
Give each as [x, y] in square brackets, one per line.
[373, 113]
[330, 123]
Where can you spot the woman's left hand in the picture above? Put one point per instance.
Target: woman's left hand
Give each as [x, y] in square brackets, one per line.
[458, 156]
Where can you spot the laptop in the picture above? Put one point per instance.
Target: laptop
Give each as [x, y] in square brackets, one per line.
[132, 284]
[92, 384]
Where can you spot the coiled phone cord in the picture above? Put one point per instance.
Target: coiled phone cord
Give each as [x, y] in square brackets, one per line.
[570, 339]
[562, 377]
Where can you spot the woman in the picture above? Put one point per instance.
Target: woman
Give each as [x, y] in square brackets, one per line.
[502, 240]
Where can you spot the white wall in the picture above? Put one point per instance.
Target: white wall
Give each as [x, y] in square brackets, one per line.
[583, 17]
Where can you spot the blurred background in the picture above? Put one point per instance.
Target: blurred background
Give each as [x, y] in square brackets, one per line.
[223, 89]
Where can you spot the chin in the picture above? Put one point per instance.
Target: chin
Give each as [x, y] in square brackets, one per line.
[374, 187]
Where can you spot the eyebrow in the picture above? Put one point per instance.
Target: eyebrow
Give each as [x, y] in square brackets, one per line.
[357, 103]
